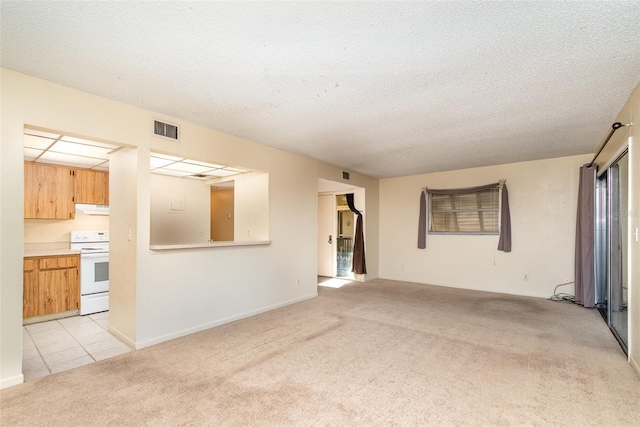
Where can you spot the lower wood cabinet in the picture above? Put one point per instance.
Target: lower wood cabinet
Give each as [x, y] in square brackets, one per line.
[51, 285]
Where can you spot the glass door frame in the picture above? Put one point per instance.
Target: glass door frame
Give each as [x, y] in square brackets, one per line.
[604, 256]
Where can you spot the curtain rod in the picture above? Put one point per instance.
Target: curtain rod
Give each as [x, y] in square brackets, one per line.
[614, 127]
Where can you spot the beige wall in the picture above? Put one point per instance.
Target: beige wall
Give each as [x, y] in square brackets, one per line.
[156, 296]
[629, 137]
[251, 204]
[543, 200]
[124, 184]
[222, 214]
[59, 230]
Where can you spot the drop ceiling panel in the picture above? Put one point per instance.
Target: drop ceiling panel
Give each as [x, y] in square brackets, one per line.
[41, 133]
[85, 150]
[171, 172]
[168, 157]
[65, 159]
[37, 142]
[223, 173]
[157, 162]
[187, 167]
[111, 147]
[209, 165]
[30, 154]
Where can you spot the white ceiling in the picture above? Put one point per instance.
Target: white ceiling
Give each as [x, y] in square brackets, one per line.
[383, 88]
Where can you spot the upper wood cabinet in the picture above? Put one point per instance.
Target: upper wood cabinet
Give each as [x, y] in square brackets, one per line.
[51, 191]
[92, 187]
[48, 191]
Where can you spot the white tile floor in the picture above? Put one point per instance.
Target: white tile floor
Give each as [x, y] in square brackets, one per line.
[59, 345]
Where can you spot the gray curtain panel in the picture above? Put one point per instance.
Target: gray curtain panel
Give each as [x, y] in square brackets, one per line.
[359, 265]
[585, 221]
[504, 243]
[422, 221]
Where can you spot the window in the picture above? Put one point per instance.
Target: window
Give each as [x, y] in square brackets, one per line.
[472, 212]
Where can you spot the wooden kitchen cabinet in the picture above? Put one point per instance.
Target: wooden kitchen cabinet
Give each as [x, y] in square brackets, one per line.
[48, 191]
[30, 283]
[91, 187]
[51, 191]
[51, 285]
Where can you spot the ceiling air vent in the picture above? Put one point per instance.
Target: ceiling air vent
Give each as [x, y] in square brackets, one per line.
[165, 129]
[345, 175]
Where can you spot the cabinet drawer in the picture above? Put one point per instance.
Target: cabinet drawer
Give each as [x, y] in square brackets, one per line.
[51, 263]
[29, 264]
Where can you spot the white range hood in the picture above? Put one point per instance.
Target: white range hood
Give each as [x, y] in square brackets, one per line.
[92, 209]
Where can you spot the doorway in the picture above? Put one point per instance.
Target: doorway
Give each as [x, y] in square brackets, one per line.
[336, 229]
[344, 238]
[612, 195]
[222, 212]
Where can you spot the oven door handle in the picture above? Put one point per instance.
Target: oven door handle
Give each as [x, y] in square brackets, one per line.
[99, 255]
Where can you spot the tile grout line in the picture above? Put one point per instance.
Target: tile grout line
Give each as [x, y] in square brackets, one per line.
[71, 334]
[79, 343]
[46, 365]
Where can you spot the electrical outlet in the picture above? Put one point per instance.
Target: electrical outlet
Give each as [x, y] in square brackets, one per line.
[526, 277]
[297, 282]
[248, 232]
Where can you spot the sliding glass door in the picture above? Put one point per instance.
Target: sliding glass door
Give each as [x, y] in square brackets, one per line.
[611, 246]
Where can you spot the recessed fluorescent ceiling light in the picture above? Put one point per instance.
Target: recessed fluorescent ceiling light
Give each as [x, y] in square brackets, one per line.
[188, 167]
[55, 148]
[224, 172]
[177, 166]
[37, 142]
[81, 150]
[65, 159]
[157, 162]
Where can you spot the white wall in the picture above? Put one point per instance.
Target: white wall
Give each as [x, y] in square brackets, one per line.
[543, 201]
[160, 295]
[170, 225]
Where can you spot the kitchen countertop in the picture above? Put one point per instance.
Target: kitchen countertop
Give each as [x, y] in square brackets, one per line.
[208, 245]
[50, 252]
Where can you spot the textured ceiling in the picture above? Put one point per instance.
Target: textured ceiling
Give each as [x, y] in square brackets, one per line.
[383, 88]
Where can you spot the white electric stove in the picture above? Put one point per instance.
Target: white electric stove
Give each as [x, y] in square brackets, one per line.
[94, 269]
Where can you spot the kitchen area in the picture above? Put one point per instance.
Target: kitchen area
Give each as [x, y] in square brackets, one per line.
[66, 253]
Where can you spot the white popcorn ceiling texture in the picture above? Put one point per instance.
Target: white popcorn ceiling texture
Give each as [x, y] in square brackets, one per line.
[383, 88]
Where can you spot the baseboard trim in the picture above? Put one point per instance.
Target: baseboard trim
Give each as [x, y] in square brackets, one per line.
[209, 325]
[494, 291]
[122, 337]
[635, 365]
[11, 381]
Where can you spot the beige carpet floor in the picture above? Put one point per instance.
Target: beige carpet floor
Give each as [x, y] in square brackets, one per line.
[380, 353]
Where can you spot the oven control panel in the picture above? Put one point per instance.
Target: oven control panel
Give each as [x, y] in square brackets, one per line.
[89, 236]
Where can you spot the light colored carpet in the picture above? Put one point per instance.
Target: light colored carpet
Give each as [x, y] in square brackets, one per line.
[379, 353]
